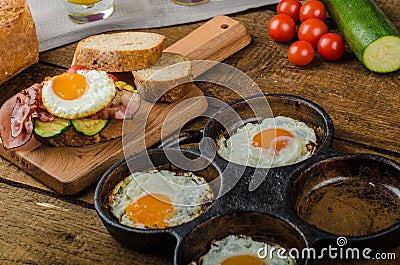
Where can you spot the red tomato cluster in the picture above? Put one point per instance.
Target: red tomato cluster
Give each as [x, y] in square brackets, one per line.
[312, 32]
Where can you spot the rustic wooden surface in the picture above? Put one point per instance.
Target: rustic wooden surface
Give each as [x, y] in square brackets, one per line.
[62, 170]
[39, 226]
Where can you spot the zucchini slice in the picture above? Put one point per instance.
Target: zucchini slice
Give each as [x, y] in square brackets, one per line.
[368, 32]
[89, 127]
[48, 129]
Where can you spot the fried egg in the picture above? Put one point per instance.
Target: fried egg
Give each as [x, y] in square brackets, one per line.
[78, 95]
[159, 199]
[275, 142]
[240, 250]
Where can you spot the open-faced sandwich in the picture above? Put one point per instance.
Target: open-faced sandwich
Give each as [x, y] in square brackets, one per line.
[87, 104]
[76, 108]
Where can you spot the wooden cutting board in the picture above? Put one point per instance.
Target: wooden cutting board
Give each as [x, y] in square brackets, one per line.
[68, 170]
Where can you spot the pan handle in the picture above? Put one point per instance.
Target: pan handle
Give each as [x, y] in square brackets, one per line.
[190, 137]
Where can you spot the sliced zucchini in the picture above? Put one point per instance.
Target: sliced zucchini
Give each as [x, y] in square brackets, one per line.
[47, 129]
[372, 37]
[121, 85]
[89, 127]
[383, 55]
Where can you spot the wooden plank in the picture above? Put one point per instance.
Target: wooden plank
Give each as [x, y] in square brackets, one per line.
[40, 229]
[364, 106]
[37, 228]
[215, 41]
[62, 168]
[15, 176]
[20, 179]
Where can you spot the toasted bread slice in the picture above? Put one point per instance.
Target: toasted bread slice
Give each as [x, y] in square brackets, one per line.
[119, 52]
[169, 79]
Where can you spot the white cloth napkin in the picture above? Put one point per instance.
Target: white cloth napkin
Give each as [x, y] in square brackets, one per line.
[55, 29]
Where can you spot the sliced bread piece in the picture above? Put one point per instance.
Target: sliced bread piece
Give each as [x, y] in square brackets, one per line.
[119, 52]
[169, 79]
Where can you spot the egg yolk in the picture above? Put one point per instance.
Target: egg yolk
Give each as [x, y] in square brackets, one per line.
[275, 139]
[151, 210]
[69, 86]
[243, 259]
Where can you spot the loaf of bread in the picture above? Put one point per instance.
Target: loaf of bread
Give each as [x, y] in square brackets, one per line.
[169, 79]
[19, 47]
[119, 52]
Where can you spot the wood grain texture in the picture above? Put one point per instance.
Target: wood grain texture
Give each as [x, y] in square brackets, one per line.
[40, 229]
[69, 170]
[61, 168]
[364, 106]
[352, 96]
[216, 40]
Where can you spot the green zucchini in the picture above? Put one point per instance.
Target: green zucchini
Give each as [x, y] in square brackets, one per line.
[368, 32]
[48, 129]
[89, 127]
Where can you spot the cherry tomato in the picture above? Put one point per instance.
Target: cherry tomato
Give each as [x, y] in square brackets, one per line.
[113, 77]
[74, 68]
[301, 53]
[331, 46]
[281, 28]
[312, 9]
[312, 30]
[290, 8]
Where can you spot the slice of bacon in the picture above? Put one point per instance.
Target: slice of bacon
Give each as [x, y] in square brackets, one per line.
[124, 106]
[17, 116]
[25, 133]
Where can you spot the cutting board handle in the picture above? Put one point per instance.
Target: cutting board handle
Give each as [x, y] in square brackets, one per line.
[215, 40]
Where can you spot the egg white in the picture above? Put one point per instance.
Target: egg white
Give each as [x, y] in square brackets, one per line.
[238, 148]
[234, 245]
[188, 194]
[99, 93]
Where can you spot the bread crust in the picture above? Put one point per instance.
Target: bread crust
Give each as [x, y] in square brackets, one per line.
[19, 47]
[164, 90]
[151, 91]
[116, 60]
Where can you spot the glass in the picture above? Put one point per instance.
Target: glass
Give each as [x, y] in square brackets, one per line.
[189, 2]
[83, 11]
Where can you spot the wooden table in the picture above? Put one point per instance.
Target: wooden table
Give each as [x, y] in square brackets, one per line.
[39, 226]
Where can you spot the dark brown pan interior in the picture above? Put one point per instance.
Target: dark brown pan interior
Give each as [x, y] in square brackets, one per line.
[351, 196]
[259, 226]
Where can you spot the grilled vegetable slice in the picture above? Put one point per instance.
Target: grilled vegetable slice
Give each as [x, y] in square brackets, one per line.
[89, 127]
[47, 129]
[368, 32]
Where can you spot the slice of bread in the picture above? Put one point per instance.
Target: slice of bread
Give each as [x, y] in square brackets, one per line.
[169, 79]
[119, 52]
[19, 47]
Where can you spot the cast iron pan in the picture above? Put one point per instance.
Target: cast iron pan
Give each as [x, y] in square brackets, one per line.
[313, 203]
